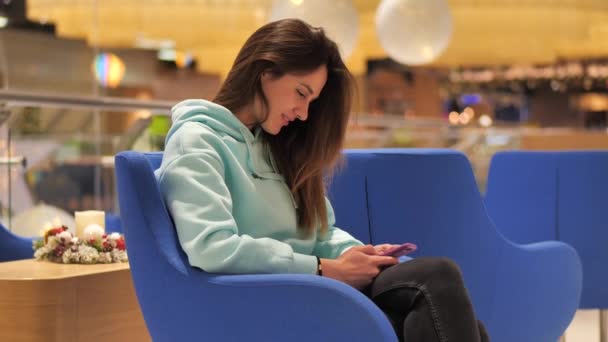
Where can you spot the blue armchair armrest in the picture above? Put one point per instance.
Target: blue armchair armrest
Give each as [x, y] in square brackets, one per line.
[337, 311]
[550, 273]
[277, 307]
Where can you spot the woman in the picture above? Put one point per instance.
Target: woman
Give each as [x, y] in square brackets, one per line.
[243, 179]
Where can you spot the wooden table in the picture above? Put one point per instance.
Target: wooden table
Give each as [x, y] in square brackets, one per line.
[44, 301]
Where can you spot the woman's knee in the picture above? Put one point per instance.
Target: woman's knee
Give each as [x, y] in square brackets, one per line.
[430, 272]
[445, 270]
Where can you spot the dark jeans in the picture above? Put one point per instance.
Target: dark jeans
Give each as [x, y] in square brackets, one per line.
[426, 301]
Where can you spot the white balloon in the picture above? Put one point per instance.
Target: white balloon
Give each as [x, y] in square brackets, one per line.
[414, 32]
[338, 18]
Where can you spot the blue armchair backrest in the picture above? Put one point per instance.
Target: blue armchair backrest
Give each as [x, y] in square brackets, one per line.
[526, 200]
[583, 219]
[348, 195]
[137, 174]
[13, 247]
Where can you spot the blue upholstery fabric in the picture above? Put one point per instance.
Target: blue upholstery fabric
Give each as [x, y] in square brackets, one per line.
[13, 247]
[578, 213]
[182, 303]
[348, 195]
[583, 219]
[113, 224]
[429, 197]
[519, 188]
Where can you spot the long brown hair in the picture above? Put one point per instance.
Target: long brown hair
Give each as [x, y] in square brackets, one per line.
[304, 151]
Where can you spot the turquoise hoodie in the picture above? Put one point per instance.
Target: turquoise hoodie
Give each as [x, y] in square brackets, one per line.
[233, 212]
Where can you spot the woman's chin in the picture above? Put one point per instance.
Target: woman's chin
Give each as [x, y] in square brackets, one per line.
[272, 130]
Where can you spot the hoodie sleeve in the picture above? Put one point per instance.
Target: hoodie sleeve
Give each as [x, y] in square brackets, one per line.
[194, 188]
[335, 241]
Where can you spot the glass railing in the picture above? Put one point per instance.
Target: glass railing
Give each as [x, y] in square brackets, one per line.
[57, 153]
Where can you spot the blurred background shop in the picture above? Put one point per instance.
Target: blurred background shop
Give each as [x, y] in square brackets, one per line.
[475, 75]
[83, 79]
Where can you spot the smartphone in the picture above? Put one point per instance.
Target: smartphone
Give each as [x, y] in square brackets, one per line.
[401, 250]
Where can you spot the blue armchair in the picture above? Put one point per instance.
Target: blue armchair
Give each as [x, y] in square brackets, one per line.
[182, 303]
[13, 247]
[556, 196]
[429, 197]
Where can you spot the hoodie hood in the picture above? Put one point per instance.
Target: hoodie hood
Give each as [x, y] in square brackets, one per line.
[222, 120]
[216, 117]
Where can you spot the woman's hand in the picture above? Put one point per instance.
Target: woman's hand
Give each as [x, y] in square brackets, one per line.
[358, 266]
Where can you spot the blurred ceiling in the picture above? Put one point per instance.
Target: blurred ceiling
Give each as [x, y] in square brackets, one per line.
[485, 32]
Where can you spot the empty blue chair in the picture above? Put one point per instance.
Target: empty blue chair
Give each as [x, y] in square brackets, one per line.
[556, 196]
[13, 247]
[429, 197]
[182, 303]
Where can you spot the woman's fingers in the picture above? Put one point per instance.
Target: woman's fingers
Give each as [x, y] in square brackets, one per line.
[384, 260]
[367, 249]
[383, 247]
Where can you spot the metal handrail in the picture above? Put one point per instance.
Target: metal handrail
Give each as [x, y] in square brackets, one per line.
[18, 98]
[14, 160]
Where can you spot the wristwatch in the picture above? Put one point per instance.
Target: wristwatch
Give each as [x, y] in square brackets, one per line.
[319, 267]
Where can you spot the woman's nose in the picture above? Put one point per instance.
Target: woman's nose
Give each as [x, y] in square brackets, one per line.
[302, 112]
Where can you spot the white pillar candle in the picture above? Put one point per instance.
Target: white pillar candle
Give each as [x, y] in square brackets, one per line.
[85, 218]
